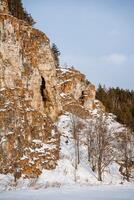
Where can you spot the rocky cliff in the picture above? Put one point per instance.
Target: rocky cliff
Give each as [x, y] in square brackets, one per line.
[28, 98]
[36, 102]
[33, 93]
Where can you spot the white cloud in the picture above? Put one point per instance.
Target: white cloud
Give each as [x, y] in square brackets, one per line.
[116, 59]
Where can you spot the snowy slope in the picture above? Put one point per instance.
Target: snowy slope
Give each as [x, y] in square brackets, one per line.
[65, 172]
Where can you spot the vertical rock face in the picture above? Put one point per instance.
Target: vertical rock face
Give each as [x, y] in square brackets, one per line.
[28, 98]
[32, 95]
[25, 53]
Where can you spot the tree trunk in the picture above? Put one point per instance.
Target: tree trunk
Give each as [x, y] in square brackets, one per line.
[88, 148]
[99, 169]
[78, 151]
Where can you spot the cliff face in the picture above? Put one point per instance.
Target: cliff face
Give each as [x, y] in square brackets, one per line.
[28, 98]
[28, 63]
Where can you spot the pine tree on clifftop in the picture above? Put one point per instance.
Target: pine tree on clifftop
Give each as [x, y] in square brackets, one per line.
[16, 9]
[56, 54]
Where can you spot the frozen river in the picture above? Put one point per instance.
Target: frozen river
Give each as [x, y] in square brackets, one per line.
[72, 193]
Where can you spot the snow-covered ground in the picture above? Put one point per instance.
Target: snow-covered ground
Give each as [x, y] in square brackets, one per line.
[73, 193]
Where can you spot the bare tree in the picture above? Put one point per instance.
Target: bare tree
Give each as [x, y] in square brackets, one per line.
[126, 152]
[100, 149]
[90, 142]
[77, 127]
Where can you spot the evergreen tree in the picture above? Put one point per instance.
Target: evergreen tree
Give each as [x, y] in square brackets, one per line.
[119, 102]
[56, 54]
[16, 9]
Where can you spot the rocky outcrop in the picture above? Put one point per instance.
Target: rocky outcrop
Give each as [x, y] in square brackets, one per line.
[28, 98]
[28, 63]
[77, 94]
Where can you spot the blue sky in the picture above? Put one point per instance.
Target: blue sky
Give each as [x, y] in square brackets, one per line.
[95, 36]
